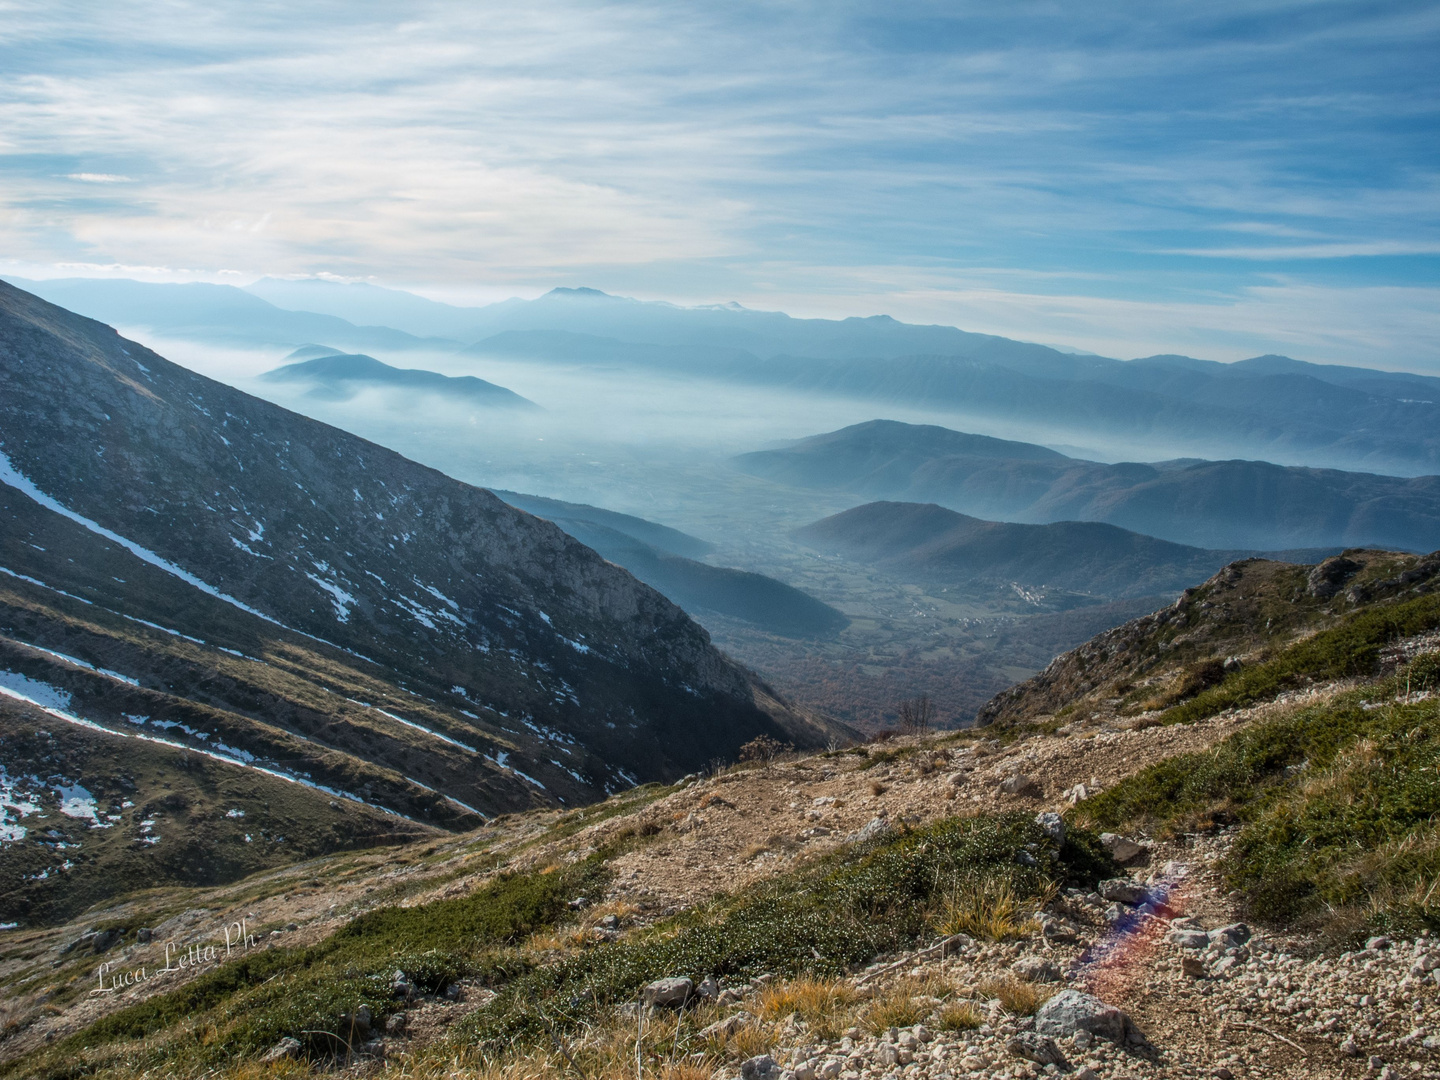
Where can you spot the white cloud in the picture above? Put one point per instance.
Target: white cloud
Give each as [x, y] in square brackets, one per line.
[791, 152]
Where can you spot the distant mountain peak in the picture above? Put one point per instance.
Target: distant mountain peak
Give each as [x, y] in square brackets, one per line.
[581, 290]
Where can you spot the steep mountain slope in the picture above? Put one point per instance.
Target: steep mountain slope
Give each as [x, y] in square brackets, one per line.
[1217, 504]
[1239, 619]
[340, 376]
[938, 545]
[698, 587]
[87, 815]
[546, 672]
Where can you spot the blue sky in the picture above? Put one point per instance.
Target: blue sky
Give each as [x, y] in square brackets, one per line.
[1219, 179]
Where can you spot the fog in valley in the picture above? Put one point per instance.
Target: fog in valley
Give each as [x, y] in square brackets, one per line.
[662, 448]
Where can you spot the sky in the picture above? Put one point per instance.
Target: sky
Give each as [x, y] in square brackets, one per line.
[1218, 179]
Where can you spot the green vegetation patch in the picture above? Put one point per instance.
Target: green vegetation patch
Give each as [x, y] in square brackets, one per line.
[1347, 650]
[818, 921]
[821, 919]
[245, 1007]
[1338, 806]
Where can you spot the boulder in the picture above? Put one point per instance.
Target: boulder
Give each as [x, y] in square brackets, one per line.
[1036, 969]
[1188, 939]
[1019, 784]
[1329, 577]
[1037, 1048]
[1071, 1010]
[285, 1048]
[1123, 850]
[667, 993]
[1230, 937]
[1052, 825]
[874, 829]
[401, 986]
[354, 1026]
[1124, 891]
[725, 1029]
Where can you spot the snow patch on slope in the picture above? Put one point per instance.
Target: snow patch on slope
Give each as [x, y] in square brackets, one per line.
[21, 483]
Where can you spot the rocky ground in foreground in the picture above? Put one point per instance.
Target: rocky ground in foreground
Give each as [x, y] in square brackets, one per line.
[1187, 989]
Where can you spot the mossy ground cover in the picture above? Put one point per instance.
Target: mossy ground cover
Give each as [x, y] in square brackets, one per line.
[1337, 805]
[815, 921]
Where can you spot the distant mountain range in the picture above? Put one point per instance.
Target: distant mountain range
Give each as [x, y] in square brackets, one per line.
[930, 544]
[1249, 505]
[659, 556]
[182, 562]
[336, 376]
[1269, 407]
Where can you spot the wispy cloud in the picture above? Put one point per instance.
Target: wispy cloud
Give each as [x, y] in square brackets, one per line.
[708, 151]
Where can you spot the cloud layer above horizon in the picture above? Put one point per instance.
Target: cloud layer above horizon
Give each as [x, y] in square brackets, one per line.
[1222, 179]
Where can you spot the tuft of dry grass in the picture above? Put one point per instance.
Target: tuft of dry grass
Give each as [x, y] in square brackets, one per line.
[959, 1016]
[751, 1040]
[987, 909]
[877, 788]
[827, 1005]
[1018, 998]
[895, 1008]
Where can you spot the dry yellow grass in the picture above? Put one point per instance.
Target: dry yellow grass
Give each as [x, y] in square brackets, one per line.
[894, 1009]
[827, 1005]
[752, 1039]
[959, 1016]
[986, 909]
[1017, 997]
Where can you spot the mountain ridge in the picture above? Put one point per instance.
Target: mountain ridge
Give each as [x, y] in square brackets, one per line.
[1236, 505]
[340, 376]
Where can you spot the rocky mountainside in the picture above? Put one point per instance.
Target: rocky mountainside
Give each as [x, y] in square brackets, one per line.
[184, 561]
[1252, 505]
[1239, 620]
[929, 543]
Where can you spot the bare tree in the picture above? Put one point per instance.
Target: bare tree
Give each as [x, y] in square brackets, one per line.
[916, 715]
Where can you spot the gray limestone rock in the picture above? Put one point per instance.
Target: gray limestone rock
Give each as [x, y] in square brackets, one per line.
[1071, 1010]
[1124, 891]
[667, 993]
[1037, 1048]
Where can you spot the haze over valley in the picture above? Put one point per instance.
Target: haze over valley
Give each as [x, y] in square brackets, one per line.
[689, 431]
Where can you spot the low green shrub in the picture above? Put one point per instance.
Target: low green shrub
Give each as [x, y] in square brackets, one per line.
[248, 1005]
[1348, 650]
[1337, 805]
[818, 922]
